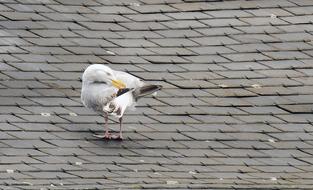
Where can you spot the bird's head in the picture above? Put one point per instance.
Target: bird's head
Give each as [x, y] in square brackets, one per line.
[101, 74]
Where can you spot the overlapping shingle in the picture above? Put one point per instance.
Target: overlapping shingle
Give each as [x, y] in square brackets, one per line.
[235, 110]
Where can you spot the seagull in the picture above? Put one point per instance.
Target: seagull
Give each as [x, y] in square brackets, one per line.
[111, 92]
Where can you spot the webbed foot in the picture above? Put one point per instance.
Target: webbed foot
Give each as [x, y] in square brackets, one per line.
[117, 137]
[105, 136]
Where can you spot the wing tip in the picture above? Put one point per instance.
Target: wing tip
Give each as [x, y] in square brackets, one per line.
[147, 90]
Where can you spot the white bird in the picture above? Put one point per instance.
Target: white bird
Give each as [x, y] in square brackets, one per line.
[111, 92]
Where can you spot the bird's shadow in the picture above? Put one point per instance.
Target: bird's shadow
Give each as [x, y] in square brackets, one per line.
[108, 143]
[115, 144]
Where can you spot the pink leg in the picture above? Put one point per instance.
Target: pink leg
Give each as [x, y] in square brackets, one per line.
[107, 134]
[119, 136]
[120, 133]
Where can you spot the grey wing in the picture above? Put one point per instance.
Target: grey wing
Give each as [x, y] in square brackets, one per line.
[141, 89]
[96, 97]
[130, 80]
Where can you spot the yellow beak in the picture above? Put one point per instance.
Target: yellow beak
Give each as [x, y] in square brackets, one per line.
[118, 84]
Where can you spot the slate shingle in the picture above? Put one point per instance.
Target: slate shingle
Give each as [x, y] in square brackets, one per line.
[234, 111]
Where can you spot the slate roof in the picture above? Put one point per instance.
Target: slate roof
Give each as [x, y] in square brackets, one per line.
[235, 111]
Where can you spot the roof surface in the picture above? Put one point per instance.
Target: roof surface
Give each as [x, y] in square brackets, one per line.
[235, 110]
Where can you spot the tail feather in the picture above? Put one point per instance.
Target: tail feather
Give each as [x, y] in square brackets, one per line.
[146, 90]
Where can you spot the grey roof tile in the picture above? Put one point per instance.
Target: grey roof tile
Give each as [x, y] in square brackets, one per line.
[254, 38]
[174, 42]
[229, 13]
[193, 6]
[217, 40]
[211, 50]
[264, 20]
[179, 33]
[64, 16]
[253, 47]
[234, 111]
[153, 8]
[60, 25]
[104, 18]
[54, 33]
[298, 19]
[149, 17]
[143, 26]
[261, 29]
[97, 34]
[218, 31]
[300, 10]
[205, 59]
[247, 57]
[133, 43]
[50, 41]
[18, 16]
[188, 15]
[165, 60]
[296, 28]
[141, 34]
[113, 10]
[29, 8]
[21, 25]
[71, 9]
[224, 22]
[184, 24]
[103, 26]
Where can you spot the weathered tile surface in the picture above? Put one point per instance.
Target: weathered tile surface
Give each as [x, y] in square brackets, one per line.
[235, 111]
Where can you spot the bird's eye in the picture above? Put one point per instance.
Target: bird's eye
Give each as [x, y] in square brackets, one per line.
[109, 74]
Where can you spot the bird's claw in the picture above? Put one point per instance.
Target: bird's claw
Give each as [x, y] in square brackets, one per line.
[117, 137]
[109, 136]
[105, 136]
